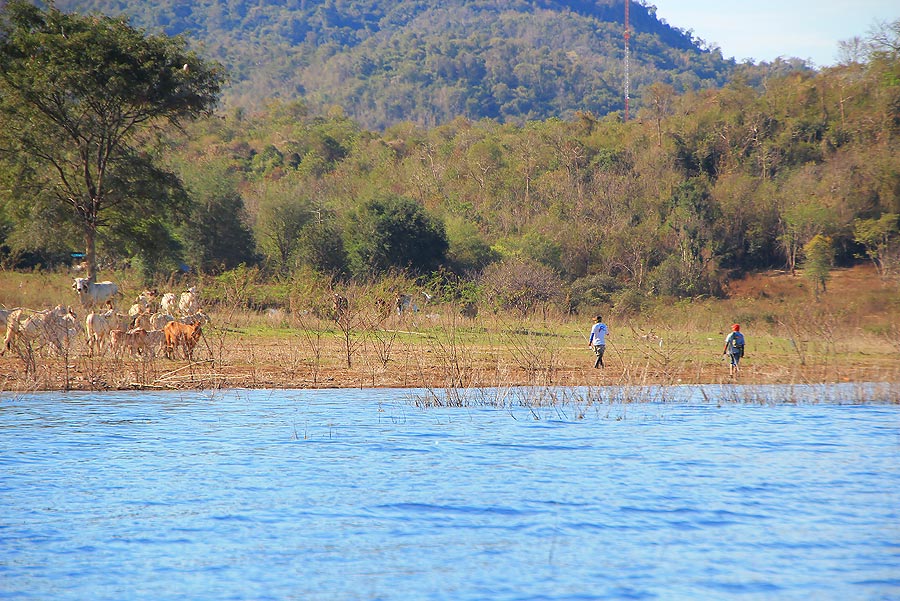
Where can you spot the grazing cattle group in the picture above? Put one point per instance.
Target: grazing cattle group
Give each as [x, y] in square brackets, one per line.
[55, 328]
[144, 331]
[155, 325]
[406, 303]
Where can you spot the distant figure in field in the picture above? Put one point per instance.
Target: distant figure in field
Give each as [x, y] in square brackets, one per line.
[734, 348]
[597, 341]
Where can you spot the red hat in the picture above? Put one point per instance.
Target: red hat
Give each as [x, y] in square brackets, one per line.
[735, 328]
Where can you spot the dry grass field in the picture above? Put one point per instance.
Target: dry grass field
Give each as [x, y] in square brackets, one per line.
[851, 334]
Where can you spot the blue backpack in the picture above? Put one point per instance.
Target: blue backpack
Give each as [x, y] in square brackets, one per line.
[737, 344]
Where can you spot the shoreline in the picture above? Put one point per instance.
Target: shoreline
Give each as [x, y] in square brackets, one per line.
[84, 374]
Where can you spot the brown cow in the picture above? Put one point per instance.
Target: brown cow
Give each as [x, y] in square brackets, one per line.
[133, 340]
[181, 335]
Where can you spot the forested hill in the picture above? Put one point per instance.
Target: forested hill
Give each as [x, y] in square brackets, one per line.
[387, 61]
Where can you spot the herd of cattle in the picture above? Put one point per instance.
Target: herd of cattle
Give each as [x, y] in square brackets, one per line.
[154, 324]
[170, 324]
[403, 304]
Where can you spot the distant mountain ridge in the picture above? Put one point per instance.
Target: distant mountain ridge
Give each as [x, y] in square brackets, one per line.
[385, 62]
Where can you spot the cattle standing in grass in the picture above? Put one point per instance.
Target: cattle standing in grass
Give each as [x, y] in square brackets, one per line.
[116, 341]
[141, 320]
[198, 317]
[21, 327]
[159, 320]
[54, 326]
[169, 303]
[60, 332]
[135, 341]
[189, 302]
[4, 316]
[148, 299]
[183, 336]
[93, 294]
[154, 342]
[144, 303]
[97, 327]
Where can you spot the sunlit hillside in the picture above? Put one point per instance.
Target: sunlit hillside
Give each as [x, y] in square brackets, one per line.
[384, 62]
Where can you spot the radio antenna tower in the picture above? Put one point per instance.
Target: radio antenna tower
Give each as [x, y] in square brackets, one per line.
[627, 72]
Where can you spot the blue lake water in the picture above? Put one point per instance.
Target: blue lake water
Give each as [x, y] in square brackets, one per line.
[368, 494]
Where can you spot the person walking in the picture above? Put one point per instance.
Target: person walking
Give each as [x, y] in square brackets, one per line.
[734, 348]
[597, 341]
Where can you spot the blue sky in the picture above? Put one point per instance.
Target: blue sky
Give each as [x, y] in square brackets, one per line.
[763, 30]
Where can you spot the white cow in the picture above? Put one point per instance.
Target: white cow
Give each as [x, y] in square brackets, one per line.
[54, 326]
[92, 294]
[21, 326]
[198, 317]
[169, 303]
[142, 320]
[189, 303]
[159, 320]
[61, 332]
[97, 327]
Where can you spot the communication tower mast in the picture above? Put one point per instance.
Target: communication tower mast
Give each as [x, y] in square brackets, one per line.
[627, 72]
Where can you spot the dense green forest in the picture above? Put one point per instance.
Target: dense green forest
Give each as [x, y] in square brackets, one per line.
[700, 187]
[429, 62]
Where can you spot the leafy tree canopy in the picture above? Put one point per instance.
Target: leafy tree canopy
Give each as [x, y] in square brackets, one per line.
[395, 232]
[76, 93]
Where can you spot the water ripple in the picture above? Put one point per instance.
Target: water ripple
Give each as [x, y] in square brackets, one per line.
[361, 494]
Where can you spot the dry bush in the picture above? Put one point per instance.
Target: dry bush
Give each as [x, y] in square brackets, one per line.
[533, 350]
[522, 285]
[454, 357]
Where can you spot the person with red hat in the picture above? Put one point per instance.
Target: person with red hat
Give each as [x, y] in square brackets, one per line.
[734, 347]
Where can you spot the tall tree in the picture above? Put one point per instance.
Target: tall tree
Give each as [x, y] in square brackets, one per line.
[659, 98]
[396, 232]
[282, 213]
[819, 253]
[217, 235]
[77, 92]
[881, 240]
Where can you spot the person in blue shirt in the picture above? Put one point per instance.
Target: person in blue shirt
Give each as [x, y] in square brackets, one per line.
[734, 347]
[597, 341]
